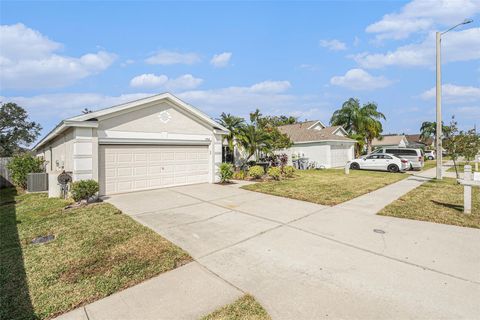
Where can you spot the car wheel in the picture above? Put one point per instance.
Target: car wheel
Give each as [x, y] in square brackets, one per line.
[393, 168]
[355, 166]
[430, 158]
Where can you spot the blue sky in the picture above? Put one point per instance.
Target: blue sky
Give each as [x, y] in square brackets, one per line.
[296, 58]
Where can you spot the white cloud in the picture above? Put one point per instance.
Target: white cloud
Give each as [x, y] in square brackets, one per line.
[454, 94]
[28, 60]
[172, 57]
[334, 45]
[270, 87]
[456, 46]
[150, 80]
[221, 60]
[423, 15]
[358, 79]
[48, 109]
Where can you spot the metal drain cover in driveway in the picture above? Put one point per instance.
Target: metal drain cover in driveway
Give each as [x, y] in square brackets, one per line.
[379, 231]
[43, 239]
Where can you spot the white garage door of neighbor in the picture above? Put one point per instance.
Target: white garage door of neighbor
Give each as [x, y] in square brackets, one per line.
[125, 168]
[340, 155]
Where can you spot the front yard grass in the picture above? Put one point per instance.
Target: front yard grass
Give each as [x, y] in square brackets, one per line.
[245, 308]
[460, 166]
[429, 164]
[437, 201]
[327, 187]
[97, 251]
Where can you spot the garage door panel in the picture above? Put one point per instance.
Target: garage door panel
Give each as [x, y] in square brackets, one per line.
[132, 168]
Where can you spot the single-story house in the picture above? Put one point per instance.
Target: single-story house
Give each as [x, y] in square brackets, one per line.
[389, 141]
[159, 141]
[327, 146]
[415, 141]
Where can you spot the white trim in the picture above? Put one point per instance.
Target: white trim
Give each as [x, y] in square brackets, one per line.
[329, 140]
[343, 130]
[153, 141]
[152, 99]
[317, 122]
[62, 126]
[89, 120]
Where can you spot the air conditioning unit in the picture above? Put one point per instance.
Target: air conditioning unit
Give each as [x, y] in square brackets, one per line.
[37, 182]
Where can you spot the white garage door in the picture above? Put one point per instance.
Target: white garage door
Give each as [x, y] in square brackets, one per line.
[340, 155]
[125, 168]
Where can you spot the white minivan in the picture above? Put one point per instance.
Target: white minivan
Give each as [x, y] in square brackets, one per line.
[415, 156]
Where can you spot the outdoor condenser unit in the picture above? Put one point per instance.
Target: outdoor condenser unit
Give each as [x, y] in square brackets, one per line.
[37, 182]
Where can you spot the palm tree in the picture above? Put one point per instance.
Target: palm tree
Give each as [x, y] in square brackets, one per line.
[362, 123]
[370, 124]
[233, 124]
[254, 140]
[347, 116]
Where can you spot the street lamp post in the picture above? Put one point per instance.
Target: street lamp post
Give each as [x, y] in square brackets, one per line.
[438, 131]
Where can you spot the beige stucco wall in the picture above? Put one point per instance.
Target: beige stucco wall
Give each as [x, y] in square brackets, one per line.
[148, 120]
[59, 152]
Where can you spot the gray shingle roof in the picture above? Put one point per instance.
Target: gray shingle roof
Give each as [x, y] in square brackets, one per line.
[300, 132]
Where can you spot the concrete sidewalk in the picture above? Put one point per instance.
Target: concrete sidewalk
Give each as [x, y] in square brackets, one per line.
[300, 260]
[188, 292]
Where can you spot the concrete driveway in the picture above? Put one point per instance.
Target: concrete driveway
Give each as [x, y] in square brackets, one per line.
[306, 261]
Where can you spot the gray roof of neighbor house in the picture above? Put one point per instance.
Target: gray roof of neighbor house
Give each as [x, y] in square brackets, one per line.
[417, 139]
[389, 140]
[301, 132]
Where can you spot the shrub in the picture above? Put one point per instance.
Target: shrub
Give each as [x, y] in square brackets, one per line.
[83, 189]
[226, 172]
[239, 175]
[274, 172]
[21, 165]
[256, 172]
[289, 171]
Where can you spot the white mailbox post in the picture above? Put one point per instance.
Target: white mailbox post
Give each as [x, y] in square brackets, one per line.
[347, 168]
[468, 182]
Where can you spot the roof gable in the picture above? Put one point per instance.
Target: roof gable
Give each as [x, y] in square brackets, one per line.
[306, 132]
[141, 103]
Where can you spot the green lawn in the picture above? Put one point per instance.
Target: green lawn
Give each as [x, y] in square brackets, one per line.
[460, 166]
[245, 308]
[437, 201]
[429, 164]
[97, 251]
[327, 187]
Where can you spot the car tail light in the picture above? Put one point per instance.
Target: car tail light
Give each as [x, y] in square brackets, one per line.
[404, 161]
[420, 158]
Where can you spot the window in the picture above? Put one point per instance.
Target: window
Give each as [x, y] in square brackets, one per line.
[387, 157]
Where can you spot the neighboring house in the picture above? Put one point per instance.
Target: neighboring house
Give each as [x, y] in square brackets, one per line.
[390, 141]
[415, 141]
[155, 142]
[327, 146]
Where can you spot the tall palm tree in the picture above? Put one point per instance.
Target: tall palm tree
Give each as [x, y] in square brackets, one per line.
[370, 123]
[233, 124]
[361, 122]
[347, 116]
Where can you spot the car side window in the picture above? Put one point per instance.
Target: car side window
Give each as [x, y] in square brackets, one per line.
[372, 157]
[387, 157]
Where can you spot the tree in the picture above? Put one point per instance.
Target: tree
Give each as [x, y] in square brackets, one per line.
[254, 140]
[233, 124]
[362, 123]
[16, 131]
[429, 130]
[23, 164]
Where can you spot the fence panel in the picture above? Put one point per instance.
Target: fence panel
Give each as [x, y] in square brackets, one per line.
[5, 180]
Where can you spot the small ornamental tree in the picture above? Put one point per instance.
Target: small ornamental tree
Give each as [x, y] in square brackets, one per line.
[23, 164]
